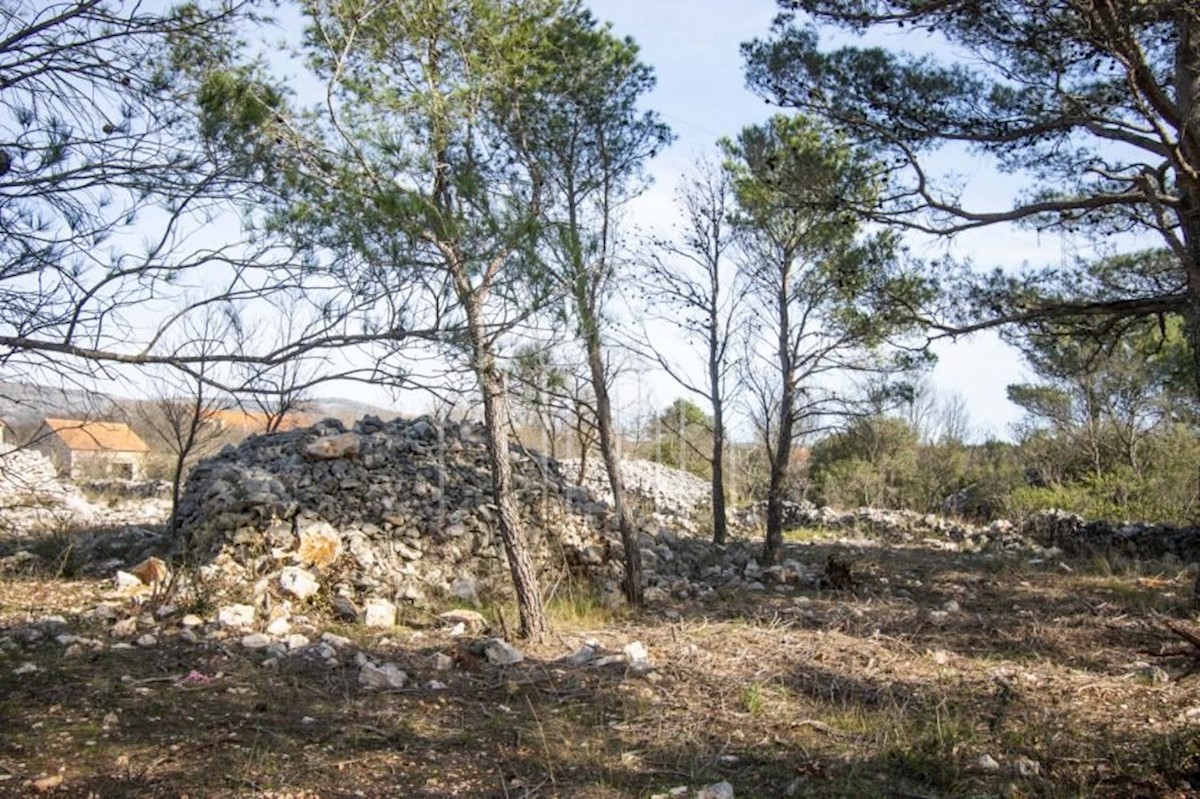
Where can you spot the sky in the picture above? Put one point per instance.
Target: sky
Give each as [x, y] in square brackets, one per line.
[693, 47]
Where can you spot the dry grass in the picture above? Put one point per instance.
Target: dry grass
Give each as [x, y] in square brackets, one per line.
[825, 694]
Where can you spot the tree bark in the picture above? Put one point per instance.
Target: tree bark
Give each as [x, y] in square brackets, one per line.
[782, 446]
[612, 463]
[496, 423]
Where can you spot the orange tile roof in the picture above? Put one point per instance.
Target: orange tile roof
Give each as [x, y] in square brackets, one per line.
[256, 421]
[97, 436]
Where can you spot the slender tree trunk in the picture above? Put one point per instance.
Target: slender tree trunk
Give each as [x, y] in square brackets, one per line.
[496, 423]
[720, 523]
[612, 463]
[782, 446]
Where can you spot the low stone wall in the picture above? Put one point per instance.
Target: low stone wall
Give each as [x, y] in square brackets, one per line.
[394, 510]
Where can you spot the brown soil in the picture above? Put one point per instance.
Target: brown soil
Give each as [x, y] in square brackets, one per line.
[876, 691]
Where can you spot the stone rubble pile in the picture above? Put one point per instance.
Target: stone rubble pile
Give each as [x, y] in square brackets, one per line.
[400, 511]
[35, 500]
[895, 526]
[1074, 534]
[671, 492]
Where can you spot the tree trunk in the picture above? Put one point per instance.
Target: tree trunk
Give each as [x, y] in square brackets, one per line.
[780, 462]
[612, 463]
[718, 438]
[720, 525]
[496, 423]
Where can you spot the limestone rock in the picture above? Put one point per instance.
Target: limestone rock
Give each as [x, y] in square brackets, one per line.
[237, 616]
[379, 613]
[388, 675]
[472, 620]
[499, 652]
[718, 790]
[345, 445]
[298, 582]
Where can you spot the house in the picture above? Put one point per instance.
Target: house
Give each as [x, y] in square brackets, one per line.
[81, 449]
[239, 422]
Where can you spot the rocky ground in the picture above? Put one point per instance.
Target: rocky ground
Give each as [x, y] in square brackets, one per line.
[343, 635]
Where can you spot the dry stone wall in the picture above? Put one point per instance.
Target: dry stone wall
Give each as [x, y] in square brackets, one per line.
[396, 510]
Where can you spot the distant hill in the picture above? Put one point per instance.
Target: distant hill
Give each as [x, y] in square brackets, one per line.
[24, 405]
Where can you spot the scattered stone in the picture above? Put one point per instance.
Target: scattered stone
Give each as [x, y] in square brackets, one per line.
[472, 620]
[345, 445]
[386, 676]
[335, 640]
[442, 662]
[26, 668]
[987, 763]
[379, 613]
[345, 609]
[636, 655]
[1154, 674]
[499, 652]
[951, 606]
[582, 656]
[718, 790]
[147, 640]
[298, 582]
[124, 628]
[191, 620]
[256, 641]
[296, 641]
[279, 626]
[125, 582]
[236, 616]
[1026, 768]
[47, 784]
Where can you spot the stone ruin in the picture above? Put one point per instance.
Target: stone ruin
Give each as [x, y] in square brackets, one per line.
[402, 512]
[399, 510]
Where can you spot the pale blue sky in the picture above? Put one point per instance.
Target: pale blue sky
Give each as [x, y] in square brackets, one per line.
[693, 47]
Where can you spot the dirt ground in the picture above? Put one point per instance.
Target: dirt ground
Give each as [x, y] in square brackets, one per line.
[938, 674]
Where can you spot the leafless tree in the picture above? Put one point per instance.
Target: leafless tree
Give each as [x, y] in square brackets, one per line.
[692, 287]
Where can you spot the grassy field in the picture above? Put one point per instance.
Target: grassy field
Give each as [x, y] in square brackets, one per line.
[940, 675]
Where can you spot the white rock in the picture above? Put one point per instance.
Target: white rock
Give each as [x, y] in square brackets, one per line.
[124, 581]
[501, 653]
[345, 445]
[25, 668]
[123, 627]
[583, 654]
[718, 790]
[296, 641]
[256, 641]
[236, 616]
[147, 640]
[388, 675]
[442, 662]
[333, 639]
[279, 627]
[636, 654]
[434, 685]
[950, 606]
[1025, 767]
[191, 620]
[379, 613]
[189, 635]
[986, 762]
[470, 619]
[298, 582]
